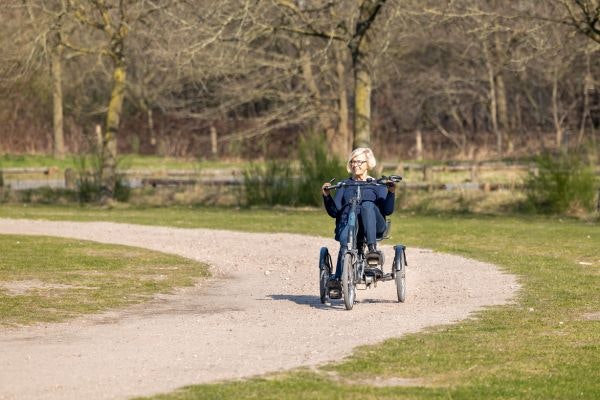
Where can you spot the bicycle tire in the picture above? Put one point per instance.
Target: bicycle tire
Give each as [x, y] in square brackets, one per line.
[324, 273]
[348, 285]
[400, 274]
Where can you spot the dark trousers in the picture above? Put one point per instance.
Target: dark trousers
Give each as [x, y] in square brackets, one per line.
[370, 225]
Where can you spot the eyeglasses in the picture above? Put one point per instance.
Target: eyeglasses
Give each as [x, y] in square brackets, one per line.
[357, 162]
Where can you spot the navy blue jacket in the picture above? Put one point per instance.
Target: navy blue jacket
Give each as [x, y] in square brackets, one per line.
[338, 207]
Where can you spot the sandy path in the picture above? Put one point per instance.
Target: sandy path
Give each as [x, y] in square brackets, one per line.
[246, 321]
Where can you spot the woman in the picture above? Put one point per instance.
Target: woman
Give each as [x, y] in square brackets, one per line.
[377, 202]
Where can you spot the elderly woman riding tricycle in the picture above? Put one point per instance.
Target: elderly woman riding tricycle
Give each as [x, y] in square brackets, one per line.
[360, 206]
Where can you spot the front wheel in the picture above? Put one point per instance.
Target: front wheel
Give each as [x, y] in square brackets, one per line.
[400, 273]
[324, 273]
[348, 287]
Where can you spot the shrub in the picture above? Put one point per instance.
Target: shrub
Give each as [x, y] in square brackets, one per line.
[293, 184]
[564, 182]
[317, 166]
[89, 185]
[270, 184]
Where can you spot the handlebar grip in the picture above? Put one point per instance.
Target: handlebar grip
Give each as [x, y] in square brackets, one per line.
[394, 178]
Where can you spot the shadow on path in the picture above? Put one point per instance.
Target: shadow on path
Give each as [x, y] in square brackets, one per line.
[304, 299]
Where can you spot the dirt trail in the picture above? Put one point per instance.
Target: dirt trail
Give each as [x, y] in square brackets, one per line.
[261, 313]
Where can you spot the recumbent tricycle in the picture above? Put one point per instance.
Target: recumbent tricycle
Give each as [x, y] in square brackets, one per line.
[359, 268]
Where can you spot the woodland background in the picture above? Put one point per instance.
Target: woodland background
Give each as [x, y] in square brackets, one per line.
[247, 79]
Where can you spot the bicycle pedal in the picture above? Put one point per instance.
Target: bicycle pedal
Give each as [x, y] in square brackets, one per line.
[335, 293]
[375, 259]
[374, 272]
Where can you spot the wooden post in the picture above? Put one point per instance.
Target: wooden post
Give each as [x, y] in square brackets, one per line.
[419, 145]
[70, 178]
[98, 137]
[427, 173]
[474, 174]
[213, 142]
[400, 169]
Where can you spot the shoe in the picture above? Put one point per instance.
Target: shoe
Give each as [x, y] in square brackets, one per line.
[374, 257]
[333, 284]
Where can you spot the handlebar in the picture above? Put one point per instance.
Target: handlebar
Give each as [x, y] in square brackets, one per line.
[383, 181]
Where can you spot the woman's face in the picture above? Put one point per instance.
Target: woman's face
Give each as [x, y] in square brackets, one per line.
[359, 165]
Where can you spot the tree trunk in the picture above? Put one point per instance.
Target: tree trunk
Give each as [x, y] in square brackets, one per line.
[109, 139]
[588, 86]
[57, 99]
[502, 103]
[359, 49]
[555, 111]
[362, 98]
[502, 98]
[492, 98]
[342, 142]
[325, 122]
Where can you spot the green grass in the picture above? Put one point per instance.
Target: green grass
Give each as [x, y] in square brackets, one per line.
[62, 278]
[545, 346]
[147, 162]
[126, 161]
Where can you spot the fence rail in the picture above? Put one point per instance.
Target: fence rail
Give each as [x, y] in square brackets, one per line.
[35, 177]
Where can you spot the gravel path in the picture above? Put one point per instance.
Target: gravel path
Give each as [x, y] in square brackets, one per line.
[260, 313]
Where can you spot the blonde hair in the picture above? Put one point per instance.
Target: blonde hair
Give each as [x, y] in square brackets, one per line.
[371, 161]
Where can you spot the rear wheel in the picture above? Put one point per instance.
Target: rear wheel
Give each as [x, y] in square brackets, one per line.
[348, 287]
[324, 273]
[400, 273]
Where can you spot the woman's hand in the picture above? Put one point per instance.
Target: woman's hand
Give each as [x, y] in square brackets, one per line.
[391, 185]
[326, 192]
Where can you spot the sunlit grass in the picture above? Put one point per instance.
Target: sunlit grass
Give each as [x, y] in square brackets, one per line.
[544, 346]
[45, 279]
[125, 161]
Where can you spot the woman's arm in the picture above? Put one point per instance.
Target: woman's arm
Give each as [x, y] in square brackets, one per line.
[330, 207]
[385, 200]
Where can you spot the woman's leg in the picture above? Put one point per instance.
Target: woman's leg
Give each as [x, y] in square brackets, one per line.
[338, 266]
[372, 221]
[343, 248]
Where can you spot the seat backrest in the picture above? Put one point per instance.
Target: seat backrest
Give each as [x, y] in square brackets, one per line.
[386, 233]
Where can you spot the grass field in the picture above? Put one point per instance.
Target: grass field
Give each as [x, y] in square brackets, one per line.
[51, 279]
[546, 346]
[154, 163]
[125, 162]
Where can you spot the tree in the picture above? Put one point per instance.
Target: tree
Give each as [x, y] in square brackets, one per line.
[352, 29]
[293, 58]
[113, 19]
[583, 15]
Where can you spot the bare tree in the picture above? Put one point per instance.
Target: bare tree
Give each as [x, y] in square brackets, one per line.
[113, 19]
[583, 15]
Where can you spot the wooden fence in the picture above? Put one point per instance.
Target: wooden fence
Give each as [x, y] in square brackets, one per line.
[28, 178]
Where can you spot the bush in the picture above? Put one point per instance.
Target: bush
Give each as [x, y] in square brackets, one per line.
[293, 184]
[317, 166]
[89, 185]
[270, 184]
[564, 182]
[46, 195]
